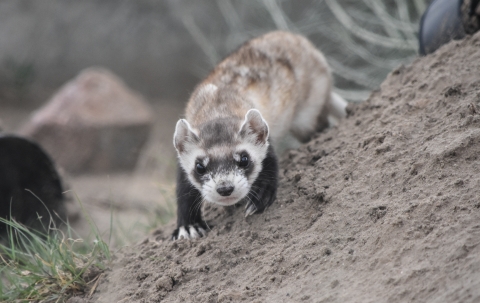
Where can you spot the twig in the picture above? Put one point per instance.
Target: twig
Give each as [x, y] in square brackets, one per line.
[201, 40]
[362, 33]
[420, 6]
[381, 12]
[405, 17]
[277, 14]
[367, 18]
[353, 47]
[359, 77]
[230, 15]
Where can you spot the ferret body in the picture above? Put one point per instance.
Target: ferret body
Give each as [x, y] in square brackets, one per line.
[273, 93]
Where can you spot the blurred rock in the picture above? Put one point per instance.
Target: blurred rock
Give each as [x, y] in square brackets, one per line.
[94, 123]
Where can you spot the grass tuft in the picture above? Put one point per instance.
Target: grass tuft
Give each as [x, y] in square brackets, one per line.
[38, 267]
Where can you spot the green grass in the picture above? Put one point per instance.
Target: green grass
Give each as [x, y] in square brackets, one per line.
[37, 267]
[54, 266]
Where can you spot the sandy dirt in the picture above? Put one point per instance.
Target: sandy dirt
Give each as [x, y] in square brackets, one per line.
[384, 208]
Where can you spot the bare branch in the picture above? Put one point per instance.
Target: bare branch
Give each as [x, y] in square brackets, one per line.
[201, 40]
[278, 16]
[362, 33]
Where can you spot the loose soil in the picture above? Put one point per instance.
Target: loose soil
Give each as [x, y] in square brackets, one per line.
[384, 208]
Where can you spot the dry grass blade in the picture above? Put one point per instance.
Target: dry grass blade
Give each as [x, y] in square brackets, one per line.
[94, 287]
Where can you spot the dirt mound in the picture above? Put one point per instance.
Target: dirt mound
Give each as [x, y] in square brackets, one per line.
[384, 208]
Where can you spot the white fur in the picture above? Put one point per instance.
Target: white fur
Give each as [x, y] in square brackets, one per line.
[250, 115]
[182, 233]
[305, 119]
[338, 109]
[257, 154]
[208, 89]
[339, 105]
[183, 133]
[193, 232]
[187, 158]
[190, 232]
[219, 151]
[236, 178]
[187, 162]
[236, 157]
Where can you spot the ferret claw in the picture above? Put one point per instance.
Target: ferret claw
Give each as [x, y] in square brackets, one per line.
[189, 232]
[250, 209]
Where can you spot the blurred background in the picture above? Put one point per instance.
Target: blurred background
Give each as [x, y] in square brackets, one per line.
[162, 49]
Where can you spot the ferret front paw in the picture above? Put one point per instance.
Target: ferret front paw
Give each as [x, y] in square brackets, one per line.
[189, 232]
[260, 198]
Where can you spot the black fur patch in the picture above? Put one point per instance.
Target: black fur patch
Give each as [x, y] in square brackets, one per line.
[264, 189]
[262, 193]
[249, 169]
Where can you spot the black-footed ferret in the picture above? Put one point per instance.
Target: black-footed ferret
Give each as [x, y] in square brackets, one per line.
[274, 91]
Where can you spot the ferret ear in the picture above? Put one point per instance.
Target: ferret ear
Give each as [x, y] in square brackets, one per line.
[184, 136]
[254, 127]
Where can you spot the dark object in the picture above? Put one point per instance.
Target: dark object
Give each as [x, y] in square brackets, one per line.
[445, 20]
[471, 16]
[441, 22]
[30, 187]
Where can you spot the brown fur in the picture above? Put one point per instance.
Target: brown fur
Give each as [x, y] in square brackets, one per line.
[280, 74]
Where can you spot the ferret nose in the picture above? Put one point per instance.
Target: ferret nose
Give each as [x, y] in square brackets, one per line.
[225, 190]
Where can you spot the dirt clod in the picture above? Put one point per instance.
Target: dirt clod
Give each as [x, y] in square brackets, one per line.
[165, 283]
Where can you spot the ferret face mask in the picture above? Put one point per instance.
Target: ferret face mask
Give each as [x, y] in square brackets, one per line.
[223, 158]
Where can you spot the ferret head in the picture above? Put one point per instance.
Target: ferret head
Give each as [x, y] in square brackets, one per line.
[224, 156]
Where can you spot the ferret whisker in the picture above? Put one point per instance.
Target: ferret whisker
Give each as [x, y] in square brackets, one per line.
[195, 204]
[255, 195]
[199, 207]
[185, 194]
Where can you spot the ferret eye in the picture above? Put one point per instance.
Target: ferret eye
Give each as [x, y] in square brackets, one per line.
[243, 161]
[200, 169]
